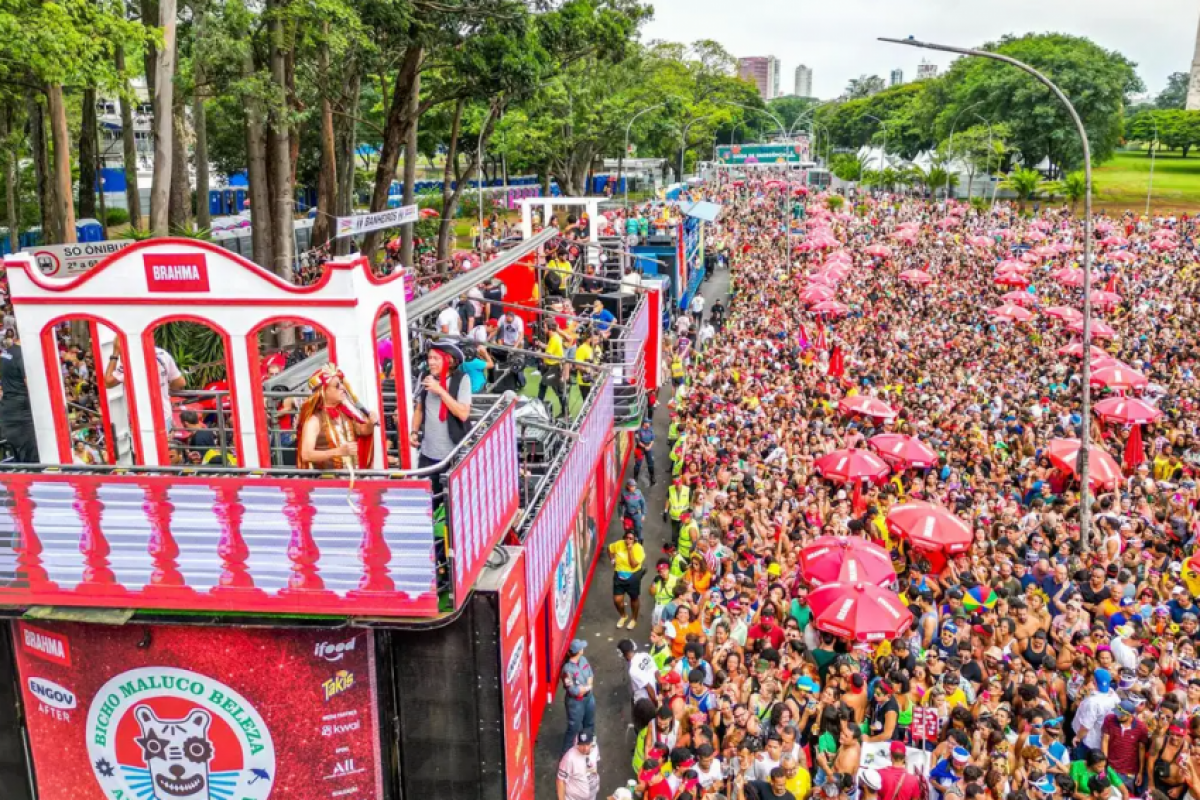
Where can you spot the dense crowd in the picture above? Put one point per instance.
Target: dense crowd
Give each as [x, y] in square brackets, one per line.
[1026, 659]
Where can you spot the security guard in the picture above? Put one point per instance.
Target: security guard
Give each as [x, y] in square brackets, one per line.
[577, 681]
[688, 534]
[633, 505]
[643, 442]
[679, 500]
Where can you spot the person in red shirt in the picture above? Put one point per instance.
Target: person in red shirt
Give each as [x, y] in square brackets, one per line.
[767, 628]
[896, 782]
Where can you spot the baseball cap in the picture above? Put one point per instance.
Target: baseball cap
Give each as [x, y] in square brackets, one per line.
[1126, 708]
[584, 738]
[871, 779]
[1046, 785]
[897, 749]
[961, 755]
[1103, 680]
[578, 646]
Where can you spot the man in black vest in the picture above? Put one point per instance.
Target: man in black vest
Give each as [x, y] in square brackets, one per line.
[16, 415]
[443, 405]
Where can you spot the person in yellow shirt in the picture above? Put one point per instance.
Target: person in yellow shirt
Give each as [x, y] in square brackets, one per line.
[627, 558]
[553, 368]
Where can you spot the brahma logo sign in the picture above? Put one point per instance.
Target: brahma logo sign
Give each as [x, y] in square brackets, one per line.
[45, 645]
[176, 272]
[170, 733]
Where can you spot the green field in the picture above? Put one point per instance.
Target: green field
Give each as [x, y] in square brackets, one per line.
[1122, 182]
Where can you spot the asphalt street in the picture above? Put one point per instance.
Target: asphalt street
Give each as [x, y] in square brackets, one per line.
[598, 625]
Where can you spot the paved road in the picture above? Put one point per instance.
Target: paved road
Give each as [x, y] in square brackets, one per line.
[598, 626]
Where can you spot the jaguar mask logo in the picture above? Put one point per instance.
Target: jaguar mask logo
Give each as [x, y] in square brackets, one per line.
[177, 752]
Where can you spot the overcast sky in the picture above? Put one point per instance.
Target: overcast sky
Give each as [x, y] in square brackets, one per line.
[837, 37]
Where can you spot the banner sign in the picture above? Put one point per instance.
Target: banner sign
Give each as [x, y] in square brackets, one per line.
[788, 153]
[65, 260]
[199, 713]
[514, 663]
[364, 223]
[552, 526]
[572, 570]
[251, 544]
[483, 500]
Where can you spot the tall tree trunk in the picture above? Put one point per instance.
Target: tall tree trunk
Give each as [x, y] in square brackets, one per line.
[407, 232]
[395, 132]
[327, 172]
[347, 142]
[164, 92]
[200, 124]
[133, 197]
[462, 180]
[282, 243]
[179, 207]
[38, 142]
[150, 15]
[448, 193]
[256, 169]
[102, 206]
[12, 217]
[88, 155]
[64, 208]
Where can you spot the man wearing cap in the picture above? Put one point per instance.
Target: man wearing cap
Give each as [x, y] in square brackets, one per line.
[1124, 740]
[577, 680]
[643, 672]
[766, 628]
[1092, 712]
[643, 443]
[949, 771]
[443, 405]
[895, 782]
[869, 784]
[579, 769]
[687, 535]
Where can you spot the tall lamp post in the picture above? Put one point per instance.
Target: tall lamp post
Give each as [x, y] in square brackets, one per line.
[1153, 150]
[628, 128]
[1085, 505]
[988, 166]
[882, 152]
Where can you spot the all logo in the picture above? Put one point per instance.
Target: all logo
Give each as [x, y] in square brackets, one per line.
[564, 586]
[171, 733]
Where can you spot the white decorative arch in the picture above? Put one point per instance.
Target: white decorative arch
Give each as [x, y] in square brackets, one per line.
[546, 205]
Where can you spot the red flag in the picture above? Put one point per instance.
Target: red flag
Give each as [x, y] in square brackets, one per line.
[857, 504]
[1111, 286]
[837, 363]
[1135, 452]
[821, 343]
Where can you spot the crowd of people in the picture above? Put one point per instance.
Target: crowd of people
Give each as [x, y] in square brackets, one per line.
[1033, 660]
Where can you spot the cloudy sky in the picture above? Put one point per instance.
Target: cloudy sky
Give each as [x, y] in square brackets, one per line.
[837, 37]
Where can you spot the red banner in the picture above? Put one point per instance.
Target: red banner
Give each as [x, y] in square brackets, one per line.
[514, 660]
[176, 272]
[196, 713]
[483, 500]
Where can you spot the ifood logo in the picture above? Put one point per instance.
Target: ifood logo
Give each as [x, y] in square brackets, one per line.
[334, 652]
[52, 694]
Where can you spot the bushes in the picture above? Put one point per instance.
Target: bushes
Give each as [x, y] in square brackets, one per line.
[116, 216]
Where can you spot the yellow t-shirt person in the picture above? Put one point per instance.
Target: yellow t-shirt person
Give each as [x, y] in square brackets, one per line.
[626, 560]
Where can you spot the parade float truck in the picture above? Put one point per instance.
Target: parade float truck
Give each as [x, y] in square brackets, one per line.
[247, 630]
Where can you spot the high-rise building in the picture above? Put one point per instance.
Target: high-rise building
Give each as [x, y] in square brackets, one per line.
[897, 77]
[763, 72]
[1193, 94]
[803, 86]
[925, 70]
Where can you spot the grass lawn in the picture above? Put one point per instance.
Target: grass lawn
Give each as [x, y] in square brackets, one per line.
[1122, 182]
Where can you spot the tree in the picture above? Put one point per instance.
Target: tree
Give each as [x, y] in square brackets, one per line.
[790, 108]
[864, 86]
[1175, 129]
[848, 167]
[1026, 184]
[980, 148]
[164, 115]
[1098, 82]
[1074, 188]
[1175, 94]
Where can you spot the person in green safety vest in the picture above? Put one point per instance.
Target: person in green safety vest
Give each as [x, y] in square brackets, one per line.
[679, 499]
[673, 429]
[676, 456]
[689, 533]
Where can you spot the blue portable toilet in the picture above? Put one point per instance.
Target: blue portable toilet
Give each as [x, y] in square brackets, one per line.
[89, 230]
[215, 203]
[239, 201]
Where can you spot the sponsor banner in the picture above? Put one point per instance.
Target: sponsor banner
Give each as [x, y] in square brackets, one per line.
[65, 260]
[364, 223]
[574, 568]
[514, 663]
[175, 272]
[792, 152]
[192, 713]
[483, 500]
[553, 523]
[219, 544]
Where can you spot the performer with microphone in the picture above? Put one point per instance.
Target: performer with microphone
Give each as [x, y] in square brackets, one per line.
[336, 432]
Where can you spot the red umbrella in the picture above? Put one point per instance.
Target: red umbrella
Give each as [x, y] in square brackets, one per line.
[1076, 349]
[1012, 265]
[1114, 241]
[1126, 411]
[859, 611]
[1119, 378]
[816, 294]
[980, 241]
[878, 251]
[906, 450]
[1065, 313]
[856, 464]
[1012, 279]
[1018, 298]
[1100, 328]
[917, 277]
[1102, 469]
[830, 308]
[1011, 313]
[833, 559]
[1162, 245]
[1105, 299]
[428, 213]
[1122, 257]
[930, 527]
[1069, 276]
[867, 407]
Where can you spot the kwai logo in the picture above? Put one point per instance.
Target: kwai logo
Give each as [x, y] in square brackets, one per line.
[171, 734]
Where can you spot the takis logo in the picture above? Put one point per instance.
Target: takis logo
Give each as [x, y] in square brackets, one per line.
[341, 682]
[159, 733]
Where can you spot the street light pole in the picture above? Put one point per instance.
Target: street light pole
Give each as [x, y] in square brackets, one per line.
[1085, 504]
[1153, 150]
[988, 166]
[621, 163]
